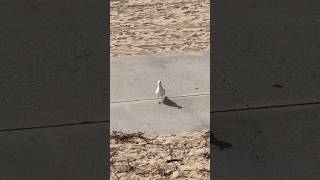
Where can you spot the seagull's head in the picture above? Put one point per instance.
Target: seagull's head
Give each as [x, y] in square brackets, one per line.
[159, 82]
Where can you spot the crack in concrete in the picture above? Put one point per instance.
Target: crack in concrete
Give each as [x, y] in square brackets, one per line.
[150, 99]
[267, 107]
[253, 146]
[52, 126]
[236, 93]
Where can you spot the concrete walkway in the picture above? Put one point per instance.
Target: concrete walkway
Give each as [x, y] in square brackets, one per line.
[266, 99]
[269, 55]
[186, 78]
[53, 109]
[152, 118]
[278, 143]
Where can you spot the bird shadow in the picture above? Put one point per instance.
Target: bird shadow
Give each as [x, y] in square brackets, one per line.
[221, 144]
[171, 103]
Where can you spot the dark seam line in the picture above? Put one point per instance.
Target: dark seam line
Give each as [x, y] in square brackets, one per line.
[159, 98]
[51, 126]
[266, 107]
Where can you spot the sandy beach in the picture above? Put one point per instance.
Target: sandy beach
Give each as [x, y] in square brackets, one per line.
[155, 26]
[179, 156]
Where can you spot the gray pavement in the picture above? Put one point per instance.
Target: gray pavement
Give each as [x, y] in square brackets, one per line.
[52, 85]
[69, 152]
[153, 118]
[52, 57]
[277, 143]
[224, 96]
[134, 107]
[265, 43]
[135, 78]
[266, 70]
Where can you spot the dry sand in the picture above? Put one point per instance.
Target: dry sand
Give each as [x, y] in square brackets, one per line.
[140, 27]
[180, 156]
[156, 26]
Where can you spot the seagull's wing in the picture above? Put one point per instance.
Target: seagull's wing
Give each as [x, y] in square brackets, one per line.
[162, 91]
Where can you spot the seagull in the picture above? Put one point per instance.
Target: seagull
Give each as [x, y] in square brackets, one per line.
[160, 92]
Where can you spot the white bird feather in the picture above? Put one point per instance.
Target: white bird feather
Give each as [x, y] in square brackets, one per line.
[160, 91]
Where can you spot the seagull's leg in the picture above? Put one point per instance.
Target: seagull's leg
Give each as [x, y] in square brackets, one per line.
[161, 100]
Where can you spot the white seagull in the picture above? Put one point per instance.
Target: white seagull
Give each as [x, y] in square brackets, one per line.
[160, 92]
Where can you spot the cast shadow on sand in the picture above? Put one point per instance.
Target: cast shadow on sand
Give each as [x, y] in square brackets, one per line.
[171, 103]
